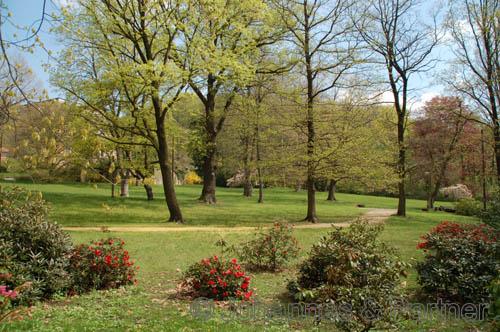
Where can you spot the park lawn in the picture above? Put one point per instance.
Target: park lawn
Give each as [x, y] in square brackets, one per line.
[91, 205]
[163, 256]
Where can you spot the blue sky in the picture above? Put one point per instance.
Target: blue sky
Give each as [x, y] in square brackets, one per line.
[28, 12]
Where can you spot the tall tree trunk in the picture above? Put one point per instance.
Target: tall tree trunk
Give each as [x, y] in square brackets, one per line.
[139, 176]
[166, 170]
[483, 171]
[1, 147]
[311, 134]
[496, 133]
[247, 185]
[401, 165]
[209, 169]
[149, 192]
[401, 186]
[83, 175]
[433, 195]
[311, 202]
[247, 172]
[332, 187]
[261, 191]
[209, 166]
[259, 170]
[124, 184]
[114, 176]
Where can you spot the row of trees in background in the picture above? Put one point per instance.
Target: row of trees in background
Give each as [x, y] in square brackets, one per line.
[283, 92]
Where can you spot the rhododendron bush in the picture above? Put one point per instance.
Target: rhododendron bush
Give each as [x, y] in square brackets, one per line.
[351, 268]
[33, 249]
[217, 278]
[460, 263]
[101, 265]
[271, 249]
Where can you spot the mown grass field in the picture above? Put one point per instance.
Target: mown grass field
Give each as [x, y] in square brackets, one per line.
[91, 205]
[163, 256]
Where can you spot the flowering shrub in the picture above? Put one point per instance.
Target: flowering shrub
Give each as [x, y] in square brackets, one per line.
[33, 249]
[271, 249]
[456, 192]
[351, 269]
[6, 296]
[218, 279]
[192, 178]
[460, 262]
[101, 265]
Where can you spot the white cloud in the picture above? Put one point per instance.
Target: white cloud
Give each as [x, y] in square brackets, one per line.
[425, 97]
[387, 97]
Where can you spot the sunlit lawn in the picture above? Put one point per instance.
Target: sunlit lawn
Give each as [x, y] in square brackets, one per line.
[163, 256]
[91, 205]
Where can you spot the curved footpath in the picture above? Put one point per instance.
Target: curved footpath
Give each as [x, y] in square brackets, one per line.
[372, 215]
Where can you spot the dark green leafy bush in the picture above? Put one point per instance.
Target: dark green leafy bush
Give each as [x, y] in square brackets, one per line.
[494, 308]
[460, 263]
[350, 268]
[32, 248]
[101, 264]
[270, 250]
[491, 216]
[468, 207]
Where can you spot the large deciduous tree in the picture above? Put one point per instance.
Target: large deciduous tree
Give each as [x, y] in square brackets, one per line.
[118, 65]
[434, 139]
[220, 42]
[320, 34]
[402, 45]
[475, 31]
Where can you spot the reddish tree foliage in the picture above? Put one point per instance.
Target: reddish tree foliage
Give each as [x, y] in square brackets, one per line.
[436, 138]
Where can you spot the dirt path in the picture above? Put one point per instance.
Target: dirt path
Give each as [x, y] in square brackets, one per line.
[372, 215]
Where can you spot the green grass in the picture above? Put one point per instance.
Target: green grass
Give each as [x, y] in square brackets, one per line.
[91, 205]
[163, 256]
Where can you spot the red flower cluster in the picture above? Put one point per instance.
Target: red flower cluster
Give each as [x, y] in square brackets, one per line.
[102, 264]
[219, 279]
[4, 292]
[449, 230]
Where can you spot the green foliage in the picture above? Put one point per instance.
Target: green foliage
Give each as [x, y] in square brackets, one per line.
[350, 268]
[492, 214]
[270, 250]
[217, 278]
[33, 249]
[468, 207]
[460, 263]
[101, 264]
[494, 308]
[53, 144]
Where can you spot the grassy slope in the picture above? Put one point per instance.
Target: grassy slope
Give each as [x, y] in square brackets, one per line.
[148, 306]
